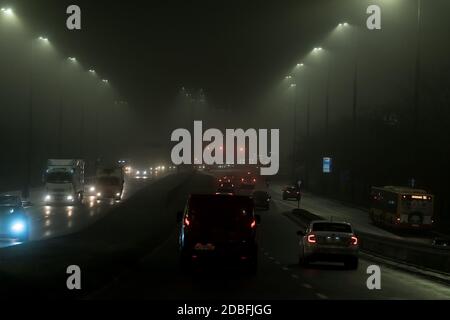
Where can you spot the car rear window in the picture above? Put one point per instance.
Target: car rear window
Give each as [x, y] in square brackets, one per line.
[220, 210]
[333, 227]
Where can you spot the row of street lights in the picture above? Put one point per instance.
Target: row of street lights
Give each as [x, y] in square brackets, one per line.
[317, 50]
[9, 13]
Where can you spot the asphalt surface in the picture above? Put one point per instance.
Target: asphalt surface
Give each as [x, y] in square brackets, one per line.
[157, 275]
[132, 253]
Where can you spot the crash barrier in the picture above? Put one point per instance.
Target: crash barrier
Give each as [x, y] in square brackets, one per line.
[412, 253]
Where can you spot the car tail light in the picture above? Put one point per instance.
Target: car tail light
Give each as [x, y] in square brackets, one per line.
[186, 222]
[312, 238]
[354, 241]
[253, 224]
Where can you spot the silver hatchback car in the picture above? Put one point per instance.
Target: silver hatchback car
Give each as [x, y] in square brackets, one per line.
[329, 241]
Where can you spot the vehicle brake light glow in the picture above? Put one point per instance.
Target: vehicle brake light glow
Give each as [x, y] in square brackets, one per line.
[253, 224]
[312, 238]
[354, 240]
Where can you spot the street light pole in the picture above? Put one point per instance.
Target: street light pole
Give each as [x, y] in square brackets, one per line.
[61, 108]
[29, 153]
[417, 70]
[294, 130]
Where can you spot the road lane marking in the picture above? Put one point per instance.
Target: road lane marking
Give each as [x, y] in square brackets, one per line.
[277, 262]
[306, 285]
[321, 296]
[295, 276]
[285, 269]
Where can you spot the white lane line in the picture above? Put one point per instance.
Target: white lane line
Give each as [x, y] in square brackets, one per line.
[271, 258]
[285, 269]
[266, 253]
[306, 285]
[277, 262]
[295, 276]
[321, 296]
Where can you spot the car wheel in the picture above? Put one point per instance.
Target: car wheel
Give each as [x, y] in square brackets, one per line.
[352, 263]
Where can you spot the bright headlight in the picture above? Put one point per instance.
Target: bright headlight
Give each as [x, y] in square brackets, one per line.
[118, 194]
[48, 198]
[138, 172]
[99, 194]
[92, 189]
[70, 198]
[18, 227]
[145, 172]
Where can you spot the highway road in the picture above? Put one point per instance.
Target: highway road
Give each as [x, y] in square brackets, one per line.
[57, 220]
[359, 217]
[157, 275]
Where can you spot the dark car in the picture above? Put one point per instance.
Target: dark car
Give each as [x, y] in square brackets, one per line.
[218, 228]
[13, 219]
[291, 192]
[261, 199]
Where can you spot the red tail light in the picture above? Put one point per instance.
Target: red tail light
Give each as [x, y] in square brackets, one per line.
[354, 241]
[186, 222]
[253, 224]
[312, 238]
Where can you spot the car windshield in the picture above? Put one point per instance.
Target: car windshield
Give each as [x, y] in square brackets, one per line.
[332, 227]
[221, 211]
[59, 177]
[108, 181]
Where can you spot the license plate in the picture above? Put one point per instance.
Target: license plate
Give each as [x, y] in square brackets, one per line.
[205, 247]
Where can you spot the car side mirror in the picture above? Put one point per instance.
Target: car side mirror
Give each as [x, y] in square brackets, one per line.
[300, 233]
[258, 219]
[179, 216]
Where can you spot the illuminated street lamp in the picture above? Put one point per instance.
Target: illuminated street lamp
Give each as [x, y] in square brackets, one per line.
[105, 81]
[299, 65]
[73, 59]
[43, 39]
[7, 11]
[92, 71]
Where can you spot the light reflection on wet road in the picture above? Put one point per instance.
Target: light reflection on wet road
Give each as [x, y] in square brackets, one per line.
[57, 220]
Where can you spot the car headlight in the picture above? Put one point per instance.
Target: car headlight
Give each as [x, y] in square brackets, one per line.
[145, 172]
[99, 194]
[118, 194]
[70, 198]
[48, 198]
[138, 172]
[18, 227]
[92, 189]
